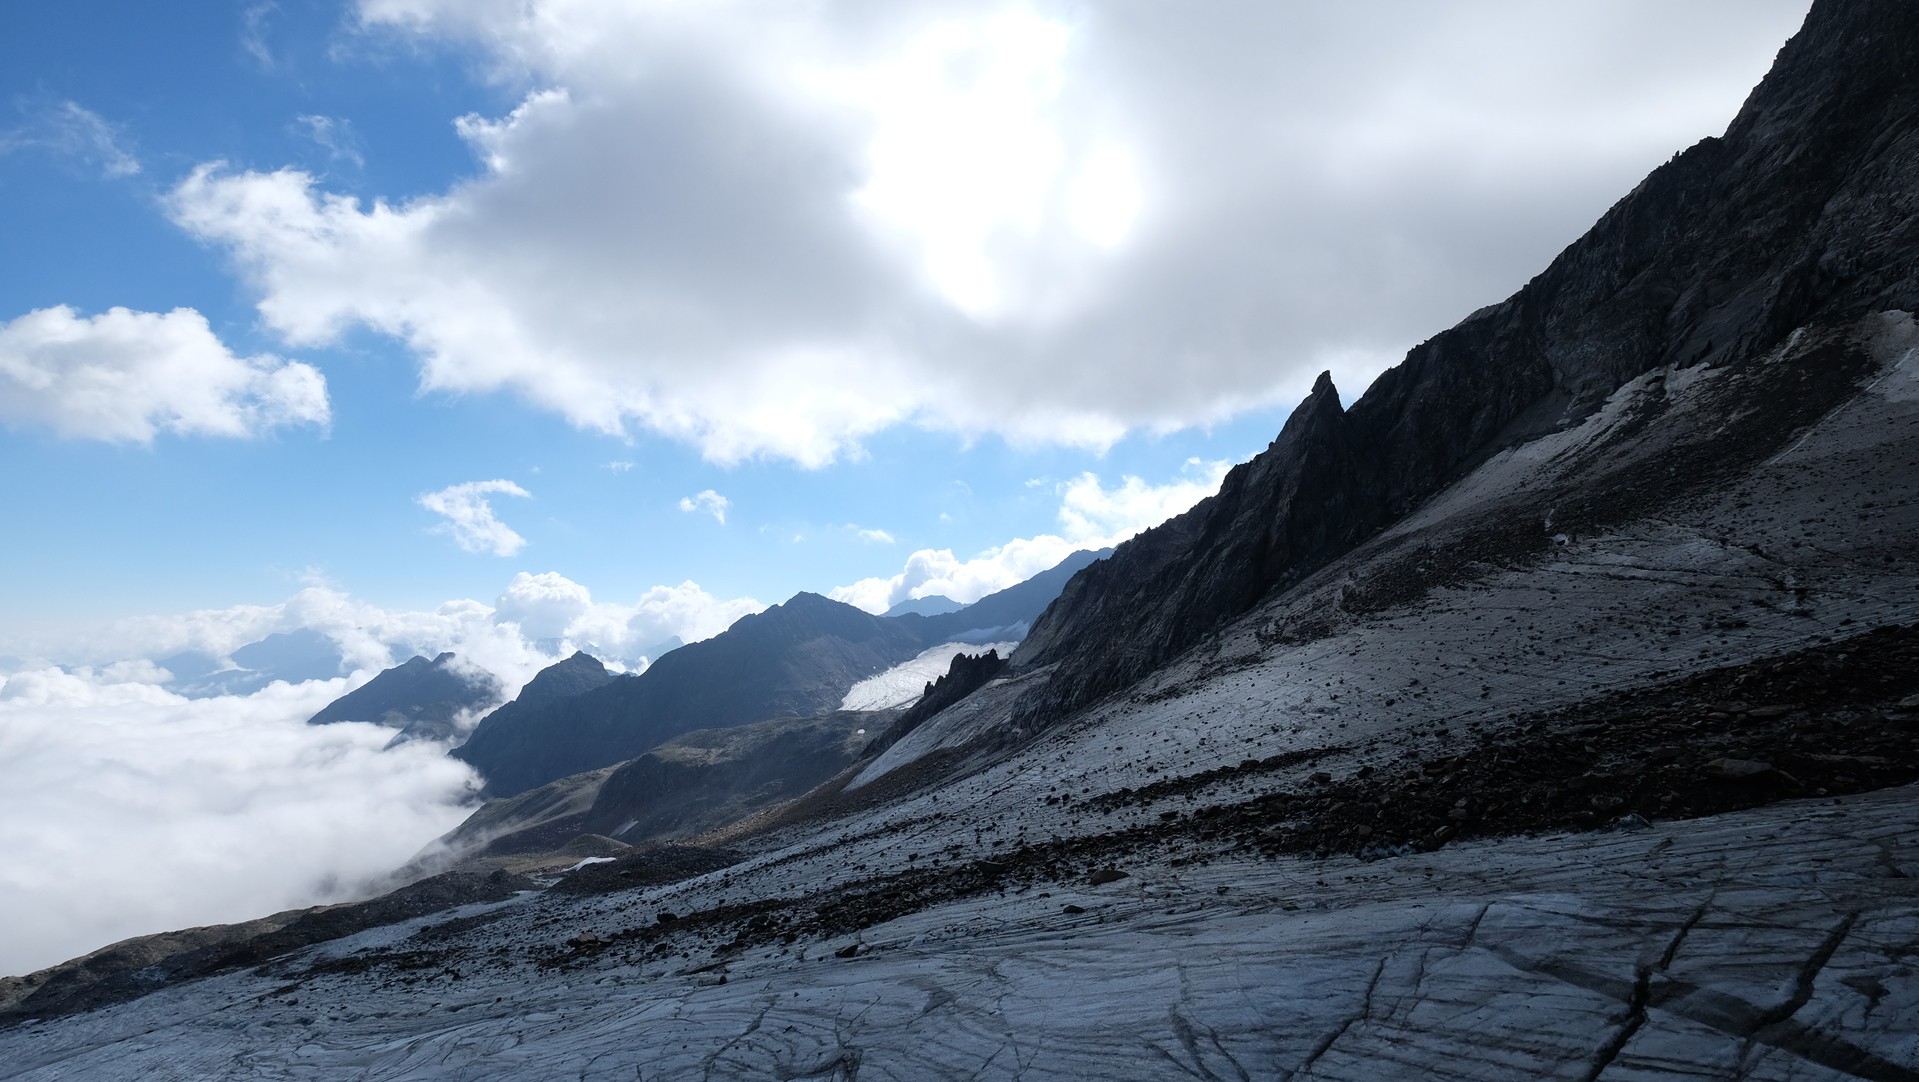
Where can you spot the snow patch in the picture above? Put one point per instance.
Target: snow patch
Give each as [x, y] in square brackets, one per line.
[903, 684]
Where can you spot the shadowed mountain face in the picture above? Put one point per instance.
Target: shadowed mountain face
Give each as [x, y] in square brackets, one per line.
[694, 782]
[423, 699]
[791, 661]
[1803, 216]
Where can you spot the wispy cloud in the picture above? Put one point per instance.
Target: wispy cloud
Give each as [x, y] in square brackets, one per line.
[621, 466]
[254, 20]
[877, 537]
[469, 516]
[709, 502]
[335, 135]
[74, 134]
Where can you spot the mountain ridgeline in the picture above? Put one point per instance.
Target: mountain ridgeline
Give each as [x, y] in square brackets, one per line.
[793, 660]
[1798, 222]
[423, 699]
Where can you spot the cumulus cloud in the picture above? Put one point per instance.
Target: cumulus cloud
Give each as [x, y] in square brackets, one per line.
[536, 620]
[1089, 511]
[709, 502]
[469, 516]
[125, 810]
[774, 232]
[1091, 516]
[126, 376]
[550, 606]
[73, 134]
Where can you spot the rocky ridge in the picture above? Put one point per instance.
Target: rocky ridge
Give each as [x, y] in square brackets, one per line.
[1795, 221]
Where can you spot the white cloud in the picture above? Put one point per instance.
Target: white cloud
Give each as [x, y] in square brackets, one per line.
[709, 502]
[126, 376]
[620, 466]
[544, 605]
[513, 638]
[1091, 516]
[877, 537]
[777, 231]
[1091, 513]
[125, 810]
[469, 516]
[550, 606]
[74, 134]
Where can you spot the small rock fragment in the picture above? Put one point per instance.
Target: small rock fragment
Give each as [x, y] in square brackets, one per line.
[1739, 769]
[1108, 874]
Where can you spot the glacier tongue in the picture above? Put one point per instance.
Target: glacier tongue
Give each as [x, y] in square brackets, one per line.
[1766, 944]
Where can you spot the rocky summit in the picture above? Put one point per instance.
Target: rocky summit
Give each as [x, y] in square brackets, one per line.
[1551, 712]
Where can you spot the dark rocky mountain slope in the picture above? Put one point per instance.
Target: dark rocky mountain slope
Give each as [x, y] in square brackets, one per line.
[693, 783]
[793, 660]
[423, 699]
[1804, 215]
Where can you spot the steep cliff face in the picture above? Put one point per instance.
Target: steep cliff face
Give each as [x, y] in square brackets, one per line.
[1804, 215]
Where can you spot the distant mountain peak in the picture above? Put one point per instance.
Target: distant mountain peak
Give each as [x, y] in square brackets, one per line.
[930, 605]
[423, 699]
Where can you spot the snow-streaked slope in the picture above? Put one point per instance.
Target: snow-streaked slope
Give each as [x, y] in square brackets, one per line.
[903, 684]
[1769, 944]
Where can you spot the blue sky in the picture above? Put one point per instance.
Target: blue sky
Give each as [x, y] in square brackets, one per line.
[886, 278]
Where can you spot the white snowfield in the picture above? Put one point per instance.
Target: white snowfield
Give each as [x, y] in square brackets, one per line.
[1774, 944]
[903, 684]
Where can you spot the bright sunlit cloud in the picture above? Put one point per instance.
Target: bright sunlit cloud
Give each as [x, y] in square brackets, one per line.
[127, 376]
[1091, 516]
[776, 232]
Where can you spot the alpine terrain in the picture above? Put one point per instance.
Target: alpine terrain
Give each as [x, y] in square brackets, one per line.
[1550, 712]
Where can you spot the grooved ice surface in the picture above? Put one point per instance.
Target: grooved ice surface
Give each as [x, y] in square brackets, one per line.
[1771, 944]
